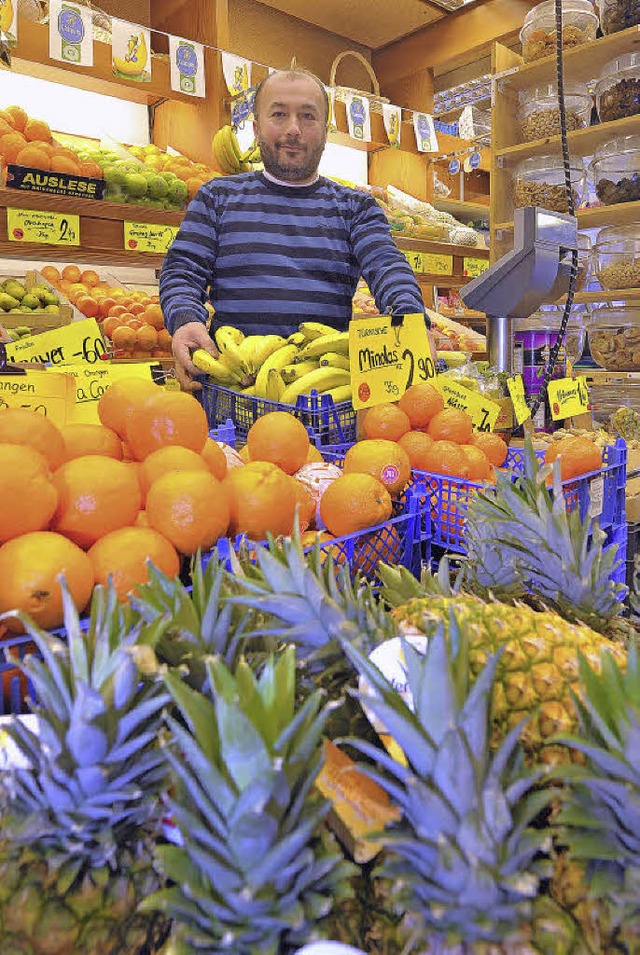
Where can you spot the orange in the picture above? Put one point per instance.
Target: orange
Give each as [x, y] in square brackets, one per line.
[81, 439]
[577, 456]
[492, 445]
[127, 316]
[244, 454]
[116, 311]
[170, 458]
[65, 164]
[51, 274]
[384, 544]
[109, 325]
[136, 308]
[215, 459]
[384, 460]
[33, 156]
[146, 338]
[165, 340]
[76, 289]
[305, 505]
[416, 444]
[448, 458]
[353, 502]
[124, 554]
[314, 456]
[30, 567]
[71, 273]
[262, 500]
[28, 497]
[189, 508]
[95, 495]
[309, 539]
[167, 417]
[90, 277]
[10, 145]
[117, 403]
[153, 316]
[451, 424]
[279, 438]
[20, 426]
[88, 306]
[123, 337]
[106, 305]
[5, 127]
[19, 117]
[420, 403]
[135, 324]
[478, 466]
[386, 421]
[142, 520]
[37, 129]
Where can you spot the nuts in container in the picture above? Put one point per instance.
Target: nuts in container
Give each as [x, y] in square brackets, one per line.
[616, 168]
[618, 89]
[539, 114]
[614, 337]
[538, 34]
[617, 257]
[540, 181]
[616, 15]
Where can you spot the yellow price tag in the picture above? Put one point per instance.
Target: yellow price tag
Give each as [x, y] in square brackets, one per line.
[521, 409]
[437, 264]
[77, 342]
[91, 382]
[387, 360]
[482, 410]
[568, 397]
[52, 228]
[147, 237]
[415, 260]
[49, 393]
[472, 268]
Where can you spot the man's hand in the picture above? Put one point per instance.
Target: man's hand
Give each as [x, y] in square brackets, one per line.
[185, 340]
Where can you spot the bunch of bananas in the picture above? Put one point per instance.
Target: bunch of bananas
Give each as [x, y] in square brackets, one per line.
[315, 358]
[228, 154]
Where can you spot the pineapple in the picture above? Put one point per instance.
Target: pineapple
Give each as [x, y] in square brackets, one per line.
[79, 824]
[257, 868]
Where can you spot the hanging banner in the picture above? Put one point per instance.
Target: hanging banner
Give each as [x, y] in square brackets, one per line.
[187, 66]
[130, 51]
[237, 73]
[331, 119]
[9, 21]
[392, 116]
[426, 138]
[358, 119]
[70, 33]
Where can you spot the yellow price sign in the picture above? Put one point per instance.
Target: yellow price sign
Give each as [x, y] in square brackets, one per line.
[91, 382]
[472, 268]
[51, 228]
[386, 360]
[49, 393]
[568, 397]
[437, 264]
[482, 410]
[77, 342]
[521, 409]
[147, 237]
[415, 260]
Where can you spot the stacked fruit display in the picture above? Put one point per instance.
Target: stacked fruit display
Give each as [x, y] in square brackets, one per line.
[156, 163]
[228, 154]
[315, 358]
[15, 296]
[26, 141]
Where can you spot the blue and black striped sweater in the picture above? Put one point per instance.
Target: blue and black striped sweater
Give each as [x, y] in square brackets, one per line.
[273, 256]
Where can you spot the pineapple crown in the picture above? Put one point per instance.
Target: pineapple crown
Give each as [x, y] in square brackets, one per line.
[463, 856]
[95, 772]
[253, 868]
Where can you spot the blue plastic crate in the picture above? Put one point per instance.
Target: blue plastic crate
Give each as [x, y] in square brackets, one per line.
[618, 536]
[15, 686]
[327, 422]
[225, 433]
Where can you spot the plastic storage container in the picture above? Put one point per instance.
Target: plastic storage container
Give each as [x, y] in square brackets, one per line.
[618, 89]
[538, 34]
[535, 336]
[538, 111]
[606, 398]
[584, 261]
[614, 337]
[616, 170]
[540, 181]
[617, 257]
[616, 15]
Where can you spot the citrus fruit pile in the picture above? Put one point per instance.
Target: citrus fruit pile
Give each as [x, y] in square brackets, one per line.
[577, 456]
[26, 141]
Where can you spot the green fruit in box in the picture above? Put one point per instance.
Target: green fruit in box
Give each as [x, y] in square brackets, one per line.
[168, 176]
[41, 291]
[21, 331]
[54, 309]
[30, 301]
[114, 176]
[7, 302]
[18, 310]
[14, 288]
[157, 187]
[135, 184]
[178, 191]
[50, 298]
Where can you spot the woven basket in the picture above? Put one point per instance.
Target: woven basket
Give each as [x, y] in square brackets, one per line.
[375, 100]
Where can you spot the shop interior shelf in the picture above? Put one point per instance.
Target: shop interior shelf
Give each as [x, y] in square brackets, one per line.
[618, 295]
[410, 244]
[623, 213]
[582, 142]
[462, 210]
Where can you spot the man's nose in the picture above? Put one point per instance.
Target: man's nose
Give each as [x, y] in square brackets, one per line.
[293, 126]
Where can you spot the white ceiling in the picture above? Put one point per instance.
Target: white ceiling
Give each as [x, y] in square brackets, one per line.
[373, 23]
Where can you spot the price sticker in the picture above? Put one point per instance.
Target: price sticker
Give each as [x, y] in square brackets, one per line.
[415, 260]
[521, 409]
[568, 397]
[386, 360]
[50, 394]
[50, 228]
[146, 237]
[472, 268]
[437, 264]
[596, 496]
[77, 342]
[482, 410]
[90, 383]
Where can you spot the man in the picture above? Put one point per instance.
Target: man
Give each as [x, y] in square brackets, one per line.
[282, 246]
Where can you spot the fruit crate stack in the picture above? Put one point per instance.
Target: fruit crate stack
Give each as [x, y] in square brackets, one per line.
[29, 304]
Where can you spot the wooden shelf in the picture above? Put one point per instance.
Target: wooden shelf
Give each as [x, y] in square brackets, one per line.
[582, 142]
[596, 217]
[582, 63]
[618, 295]
[440, 248]
[464, 211]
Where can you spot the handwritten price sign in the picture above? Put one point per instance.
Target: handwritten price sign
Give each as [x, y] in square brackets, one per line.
[474, 267]
[77, 342]
[415, 260]
[91, 381]
[146, 237]
[50, 228]
[568, 397]
[521, 409]
[386, 360]
[482, 411]
[437, 264]
[48, 393]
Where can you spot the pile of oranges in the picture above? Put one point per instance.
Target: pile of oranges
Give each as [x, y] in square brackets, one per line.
[28, 142]
[132, 320]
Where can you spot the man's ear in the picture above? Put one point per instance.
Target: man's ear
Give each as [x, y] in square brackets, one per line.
[255, 129]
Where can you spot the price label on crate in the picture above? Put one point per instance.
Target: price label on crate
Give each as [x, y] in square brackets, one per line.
[596, 496]
[482, 410]
[386, 360]
[147, 237]
[415, 260]
[521, 409]
[51, 228]
[437, 264]
[472, 268]
[49, 393]
[91, 382]
[77, 342]
[568, 397]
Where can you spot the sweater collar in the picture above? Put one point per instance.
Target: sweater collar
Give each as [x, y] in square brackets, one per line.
[289, 190]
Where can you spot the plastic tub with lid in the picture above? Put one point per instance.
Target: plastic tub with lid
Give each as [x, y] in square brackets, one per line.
[616, 15]
[614, 337]
[617, 257]
[538, 111]
[535, 336]
[605, 398]
[540, 181]
[616, 170]
[538, 34]
[618, 89]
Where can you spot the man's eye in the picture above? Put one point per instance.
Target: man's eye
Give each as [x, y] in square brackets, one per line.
[308, 117]
[278, 114]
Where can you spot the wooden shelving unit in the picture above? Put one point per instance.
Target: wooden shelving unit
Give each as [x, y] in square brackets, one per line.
[462, 210]
[595, 217]
[618, 295]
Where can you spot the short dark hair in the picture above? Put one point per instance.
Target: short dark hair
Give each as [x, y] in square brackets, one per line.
[292, 74]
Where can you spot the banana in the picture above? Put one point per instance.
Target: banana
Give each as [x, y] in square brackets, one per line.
[251, 390]
[275, 385]
[221, 374]
[334, 360]
[266, 346]
[297, 338]
[220, 152]
[336, 342]
[235, 145]
[231, 357]
[341, 393]
[313, 330]
[227, 142]
[297, 370]
[283, 356]
[321, 379]
[227, 333]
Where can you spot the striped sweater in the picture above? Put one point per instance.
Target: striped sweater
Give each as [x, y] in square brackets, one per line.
[270, 256]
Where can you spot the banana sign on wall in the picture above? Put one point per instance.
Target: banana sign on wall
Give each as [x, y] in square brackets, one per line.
[130, 46]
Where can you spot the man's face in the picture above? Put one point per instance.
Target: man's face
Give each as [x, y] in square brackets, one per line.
[291, 128]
